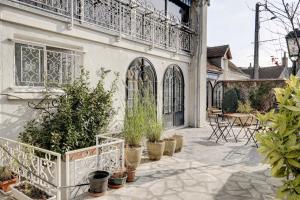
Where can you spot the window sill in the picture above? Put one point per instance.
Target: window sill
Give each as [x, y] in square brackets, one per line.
[30, 93]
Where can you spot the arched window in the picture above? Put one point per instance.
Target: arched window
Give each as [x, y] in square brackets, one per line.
[141, 76]
[173, 97]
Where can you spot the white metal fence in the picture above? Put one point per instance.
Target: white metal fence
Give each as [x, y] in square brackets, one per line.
[30, 162]
[137, 20]
[62, 176]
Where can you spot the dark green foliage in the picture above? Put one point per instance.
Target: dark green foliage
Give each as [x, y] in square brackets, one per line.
[260, 97]
[79, 114]
[230, 101]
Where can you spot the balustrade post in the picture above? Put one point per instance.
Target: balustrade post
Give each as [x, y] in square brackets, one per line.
[153, 32]
[177, 39]
[120, 21]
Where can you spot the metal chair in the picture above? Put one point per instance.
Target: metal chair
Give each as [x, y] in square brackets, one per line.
[251, 131]
[218, 127]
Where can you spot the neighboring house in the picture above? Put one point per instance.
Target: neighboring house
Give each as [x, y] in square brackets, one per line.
[273, 72]
[53, 38]
[220, 67]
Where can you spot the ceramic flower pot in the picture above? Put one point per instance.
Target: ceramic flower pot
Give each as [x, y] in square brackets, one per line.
[133, 156]
[179, 142]
[130, 175]
[5, 185]
[155, 150]
[170, 145]
[98, 181]
[117, 181]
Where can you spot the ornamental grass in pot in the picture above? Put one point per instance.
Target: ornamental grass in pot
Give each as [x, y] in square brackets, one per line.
[170, 145]
[133, 133]
[7, 178]
[155, 146]
[179, 142]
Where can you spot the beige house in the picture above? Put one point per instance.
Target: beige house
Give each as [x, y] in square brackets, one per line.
[53, 38]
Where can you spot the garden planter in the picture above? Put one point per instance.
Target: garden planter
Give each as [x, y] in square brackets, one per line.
[170, 145]
[98, 181]
[82, 154]
[30, 192]
[155, 150]
[4, 185]
[179, 142]
[133, 156]
[117, 180]
[130, 175]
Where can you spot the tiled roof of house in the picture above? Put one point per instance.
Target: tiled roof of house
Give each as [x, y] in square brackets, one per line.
[218, 51]
[272, 72]
[213, 68]
[234, 68]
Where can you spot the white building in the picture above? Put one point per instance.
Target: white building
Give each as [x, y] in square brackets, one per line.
[55, 37]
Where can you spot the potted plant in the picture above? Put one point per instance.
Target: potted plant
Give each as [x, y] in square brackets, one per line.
[155, 145]
[133, 133]
[27, 191]
[117, 180]
[245, 108]
[130, 174]
[170, 145]
[179, 142]
[7, 178]
[98, 182]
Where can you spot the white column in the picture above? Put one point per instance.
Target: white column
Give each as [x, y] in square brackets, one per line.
[198, 71]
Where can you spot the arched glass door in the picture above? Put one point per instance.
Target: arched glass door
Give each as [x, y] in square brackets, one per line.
[141, 76]
[173, 97]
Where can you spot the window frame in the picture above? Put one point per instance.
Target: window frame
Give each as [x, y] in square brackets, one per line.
[44, 46]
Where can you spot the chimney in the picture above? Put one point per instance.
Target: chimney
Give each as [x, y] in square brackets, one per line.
[250, 66]
[285, 61]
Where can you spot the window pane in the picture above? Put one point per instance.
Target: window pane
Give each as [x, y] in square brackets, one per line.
[29, 62]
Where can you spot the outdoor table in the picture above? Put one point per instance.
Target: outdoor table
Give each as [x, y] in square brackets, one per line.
[238, 118]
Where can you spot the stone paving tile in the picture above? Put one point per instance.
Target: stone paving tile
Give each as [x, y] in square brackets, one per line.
[204, 170]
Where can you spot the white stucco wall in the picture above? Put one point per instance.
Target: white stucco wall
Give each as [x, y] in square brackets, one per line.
[101, 50]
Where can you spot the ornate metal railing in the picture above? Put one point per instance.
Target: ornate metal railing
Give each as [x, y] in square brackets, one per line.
[137, 21]
[108, 154]
[37, 165]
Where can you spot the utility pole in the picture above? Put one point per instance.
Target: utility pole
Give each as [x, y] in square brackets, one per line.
[256, 42]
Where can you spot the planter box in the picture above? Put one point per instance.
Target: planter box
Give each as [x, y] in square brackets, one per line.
[4, 185]
[21, 196]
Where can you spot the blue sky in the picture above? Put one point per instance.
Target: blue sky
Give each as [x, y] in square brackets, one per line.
[232, 22]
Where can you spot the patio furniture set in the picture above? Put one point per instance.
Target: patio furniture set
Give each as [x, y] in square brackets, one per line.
[224, 124]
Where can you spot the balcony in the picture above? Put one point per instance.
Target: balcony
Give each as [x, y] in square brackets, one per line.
[137, 21]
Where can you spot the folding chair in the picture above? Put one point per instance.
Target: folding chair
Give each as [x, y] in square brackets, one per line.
[251, 131]
[218, 127]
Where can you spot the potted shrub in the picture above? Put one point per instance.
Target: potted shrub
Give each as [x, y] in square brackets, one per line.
[170, 145]
[27, 191]
[279, 140]
[118, 179]
[179, 142]
[133, 133]
[7, 178]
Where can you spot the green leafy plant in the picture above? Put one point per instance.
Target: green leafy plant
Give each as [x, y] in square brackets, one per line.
[261, 97]
[76, 116]
[279, 142]
[244, 107]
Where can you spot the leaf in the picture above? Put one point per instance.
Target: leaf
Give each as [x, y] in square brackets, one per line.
[277, 167]
[294, 163]
[292, 108]
[293, 154]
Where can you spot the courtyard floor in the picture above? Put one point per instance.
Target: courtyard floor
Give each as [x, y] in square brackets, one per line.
[204, 170]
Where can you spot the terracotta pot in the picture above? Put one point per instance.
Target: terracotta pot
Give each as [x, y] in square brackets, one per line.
[170, 145]
[155, 150]
[179, 142]
[4, 185]
[133, 156]
[130, 175]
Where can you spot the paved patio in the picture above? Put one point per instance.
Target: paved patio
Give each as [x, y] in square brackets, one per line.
[204, 170]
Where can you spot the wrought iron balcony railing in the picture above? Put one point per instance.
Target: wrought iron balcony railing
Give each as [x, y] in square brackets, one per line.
[137, 21]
